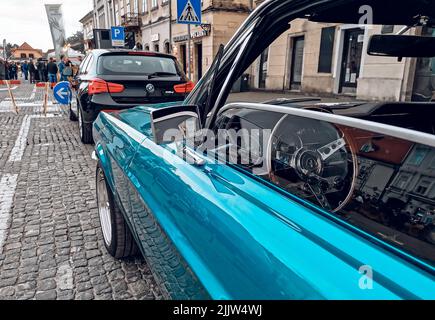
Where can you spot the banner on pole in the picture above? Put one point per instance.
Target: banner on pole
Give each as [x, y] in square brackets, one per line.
[55, 21]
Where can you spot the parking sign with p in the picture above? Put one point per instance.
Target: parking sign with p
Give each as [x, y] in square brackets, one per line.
[118, 36]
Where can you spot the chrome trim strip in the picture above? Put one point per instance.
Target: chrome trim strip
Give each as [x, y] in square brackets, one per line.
[176, 115]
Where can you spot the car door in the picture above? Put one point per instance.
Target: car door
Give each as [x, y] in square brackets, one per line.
[213, 230]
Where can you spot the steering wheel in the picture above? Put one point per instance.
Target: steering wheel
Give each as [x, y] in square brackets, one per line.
[314, 160]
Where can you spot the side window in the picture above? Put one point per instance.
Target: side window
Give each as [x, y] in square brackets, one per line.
[89, 65]
[84, 64]
[379, 183]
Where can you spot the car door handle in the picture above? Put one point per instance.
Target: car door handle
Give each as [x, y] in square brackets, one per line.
[190, 156]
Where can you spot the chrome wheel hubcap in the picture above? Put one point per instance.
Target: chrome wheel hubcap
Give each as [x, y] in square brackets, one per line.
[104, 208]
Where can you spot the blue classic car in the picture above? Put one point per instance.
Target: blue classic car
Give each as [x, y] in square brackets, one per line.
[289, 199]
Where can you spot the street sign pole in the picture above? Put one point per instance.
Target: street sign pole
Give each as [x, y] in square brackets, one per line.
[11, 95]
[47, 84]
[170, 27]
[189, 53]
[5, 56]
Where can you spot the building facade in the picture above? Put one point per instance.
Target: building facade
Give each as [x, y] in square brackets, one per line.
[156, 25]
[153, 26]
[312, 58]
[26, 52]
[88, 30]
[221, 19]
[332, 59]
[127, 13]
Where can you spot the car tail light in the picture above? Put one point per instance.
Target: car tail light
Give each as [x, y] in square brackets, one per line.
[185, 87]
[100, 86]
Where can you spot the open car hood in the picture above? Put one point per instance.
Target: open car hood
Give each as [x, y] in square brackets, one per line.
[387, 12]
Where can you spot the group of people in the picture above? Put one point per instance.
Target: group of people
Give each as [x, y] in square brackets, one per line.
[8, 70]
[40, 70]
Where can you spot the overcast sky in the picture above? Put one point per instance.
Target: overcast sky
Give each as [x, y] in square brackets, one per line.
[26, 20]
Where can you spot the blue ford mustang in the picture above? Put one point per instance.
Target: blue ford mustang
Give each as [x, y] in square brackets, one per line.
[291, 216]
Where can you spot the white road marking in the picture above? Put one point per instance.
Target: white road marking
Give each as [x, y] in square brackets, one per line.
[6, 89]
[32, 96]
[6, 106]
[25, 104]
[21, 142]
[8, 184]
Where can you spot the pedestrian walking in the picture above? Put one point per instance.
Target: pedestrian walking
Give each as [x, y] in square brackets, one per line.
[6, 70]
[41, 70]
[32, 71]
[52, 72]
[61, 66]
[13, 71]
[2, 69]
[65, 69]
[25, 70]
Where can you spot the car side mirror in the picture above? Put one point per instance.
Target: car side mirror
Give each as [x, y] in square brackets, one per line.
[174, 124]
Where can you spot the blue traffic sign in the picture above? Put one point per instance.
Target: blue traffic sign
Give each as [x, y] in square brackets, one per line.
[118, 36]
[189, 12]
[62, 92]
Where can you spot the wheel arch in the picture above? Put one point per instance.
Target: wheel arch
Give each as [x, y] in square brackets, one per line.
[105, 165]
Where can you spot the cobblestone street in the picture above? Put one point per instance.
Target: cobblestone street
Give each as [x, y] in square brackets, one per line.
[50, 240]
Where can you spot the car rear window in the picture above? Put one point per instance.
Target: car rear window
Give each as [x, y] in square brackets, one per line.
[136, 65]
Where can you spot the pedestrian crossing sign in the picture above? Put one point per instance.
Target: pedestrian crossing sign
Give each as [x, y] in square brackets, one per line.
[189, 11]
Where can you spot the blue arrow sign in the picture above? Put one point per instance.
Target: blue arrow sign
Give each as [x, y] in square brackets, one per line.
[189, 12]
[62, 93]
[117, 36]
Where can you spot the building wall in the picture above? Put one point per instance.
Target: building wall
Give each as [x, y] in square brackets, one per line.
[88, 27]
[17, 54]
[381, 78]
[224, 18]
[155, 25]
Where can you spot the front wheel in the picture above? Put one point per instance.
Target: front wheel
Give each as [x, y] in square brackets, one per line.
[117, 236]
[85, 129]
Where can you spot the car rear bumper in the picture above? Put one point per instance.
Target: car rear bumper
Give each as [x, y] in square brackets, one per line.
[103, 102]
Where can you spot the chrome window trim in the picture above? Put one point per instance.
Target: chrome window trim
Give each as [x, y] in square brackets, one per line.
[401, 133]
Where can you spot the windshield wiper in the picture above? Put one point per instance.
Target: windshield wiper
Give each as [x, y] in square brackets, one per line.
[161, 74]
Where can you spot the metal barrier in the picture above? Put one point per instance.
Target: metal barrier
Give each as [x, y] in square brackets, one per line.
[44, 85]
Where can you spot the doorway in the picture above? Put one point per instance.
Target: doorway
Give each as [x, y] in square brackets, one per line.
[262, 71]
[198, 51]
[351, 60]
[297, 62]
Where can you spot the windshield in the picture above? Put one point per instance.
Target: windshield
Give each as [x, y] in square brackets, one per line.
[137, 65]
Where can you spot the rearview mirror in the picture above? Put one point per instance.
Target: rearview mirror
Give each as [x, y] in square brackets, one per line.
[402, 46]
[174, 124]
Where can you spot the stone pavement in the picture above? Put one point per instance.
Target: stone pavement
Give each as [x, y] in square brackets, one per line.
[51, 245]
